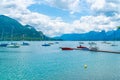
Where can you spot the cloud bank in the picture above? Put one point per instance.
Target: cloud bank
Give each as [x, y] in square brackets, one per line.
[104, 15]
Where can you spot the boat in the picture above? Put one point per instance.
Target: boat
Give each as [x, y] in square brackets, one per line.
[114, 40]
[104, 42]
[25, 44]
[108, 43]
[56, 42]
[81, 46]
[3, 45]
[46, 45]
[93, 48]
[13, 45]
[51, 43]
[66, 48]
[85, 49]
[81, 42]
[92, 43]
[114, 45]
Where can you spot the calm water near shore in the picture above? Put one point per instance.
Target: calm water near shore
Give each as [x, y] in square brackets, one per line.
[36, 62]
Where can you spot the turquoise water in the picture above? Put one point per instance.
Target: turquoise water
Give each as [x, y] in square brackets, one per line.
[36, 62]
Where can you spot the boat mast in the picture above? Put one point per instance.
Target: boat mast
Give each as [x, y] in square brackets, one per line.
[2, 34]
[23, 37]
[12, 33]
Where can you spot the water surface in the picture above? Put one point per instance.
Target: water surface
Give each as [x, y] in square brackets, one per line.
[36, 62]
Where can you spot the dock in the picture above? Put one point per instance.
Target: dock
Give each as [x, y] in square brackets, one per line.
[117, 52]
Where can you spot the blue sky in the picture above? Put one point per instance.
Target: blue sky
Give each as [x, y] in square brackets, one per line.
[50, 11]
[57, 17]
[57, 12]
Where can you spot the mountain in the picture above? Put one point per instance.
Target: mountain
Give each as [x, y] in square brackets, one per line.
[92, 36]
[12, 29]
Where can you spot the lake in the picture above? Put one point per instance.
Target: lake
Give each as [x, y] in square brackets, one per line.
[36, 62]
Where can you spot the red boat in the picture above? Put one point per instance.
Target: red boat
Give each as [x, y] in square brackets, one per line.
[66, 48]
[81, 46]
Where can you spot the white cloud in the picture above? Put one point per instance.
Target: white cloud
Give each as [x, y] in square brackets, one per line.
[69, 5]
[106, 7]
[18, 9]
[98, 23]
[77, 6]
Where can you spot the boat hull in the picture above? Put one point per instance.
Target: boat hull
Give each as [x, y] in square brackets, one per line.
[12, 46]
[81, 47]
[46, 45]
[66, 48]
[25, 44]
[3, 45]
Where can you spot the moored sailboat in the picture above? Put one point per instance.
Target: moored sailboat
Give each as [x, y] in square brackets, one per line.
[13, 45]
[3, 44]
[25, 43]
[93, 46]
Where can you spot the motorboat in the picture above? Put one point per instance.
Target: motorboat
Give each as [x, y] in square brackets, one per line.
[66, 48]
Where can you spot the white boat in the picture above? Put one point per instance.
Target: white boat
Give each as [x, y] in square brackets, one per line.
[93, 48]
[13, 45]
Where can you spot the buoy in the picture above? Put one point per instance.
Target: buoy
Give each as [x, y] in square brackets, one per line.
[85, 66]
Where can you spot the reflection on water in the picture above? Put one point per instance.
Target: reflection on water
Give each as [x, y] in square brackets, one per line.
[36, 62]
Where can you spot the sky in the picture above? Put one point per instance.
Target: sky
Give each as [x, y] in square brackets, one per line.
[57, 17]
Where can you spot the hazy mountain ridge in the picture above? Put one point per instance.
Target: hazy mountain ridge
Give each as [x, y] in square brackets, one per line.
[92, 35]
[12, 28]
